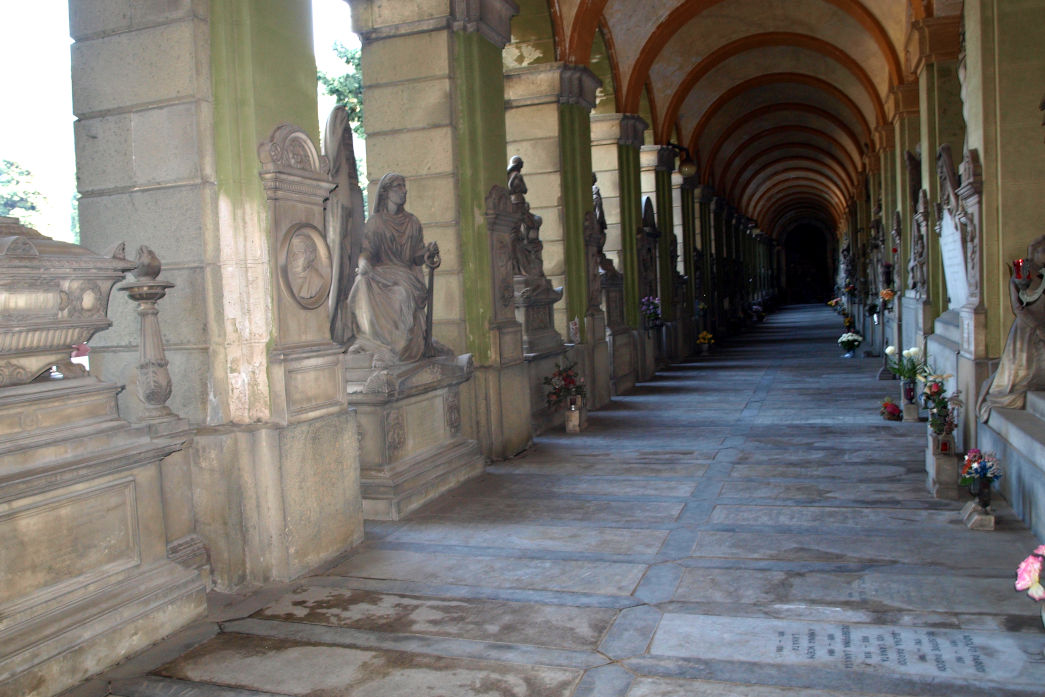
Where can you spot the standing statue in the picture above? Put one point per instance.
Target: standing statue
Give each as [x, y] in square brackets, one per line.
[1022, 365]
[594, 239]
[344, 218]
[527, 248]
[389, 298]
[916, 264]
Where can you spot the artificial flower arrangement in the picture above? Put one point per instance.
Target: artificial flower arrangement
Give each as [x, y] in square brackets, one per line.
[705, 337]
[850, 340]
[872, 309]
[564, 383]
[650, 309]
[943, 410]
[1028, 574]
[909, 365]
[890, 410]
[834, 302]
[887, 295]
[850, 287]
[979, 465]
[848, 322]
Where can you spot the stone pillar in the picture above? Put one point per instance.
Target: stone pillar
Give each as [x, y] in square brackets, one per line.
[703, 196]
[628, 149]
[720, 290]
[172, 102]
[547, 118]
[434, 90]
[690, 255]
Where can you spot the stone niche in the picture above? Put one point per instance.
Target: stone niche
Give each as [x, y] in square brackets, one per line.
[85, 578]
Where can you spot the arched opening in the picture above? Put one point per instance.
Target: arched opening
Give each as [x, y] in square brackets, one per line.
[809, 252]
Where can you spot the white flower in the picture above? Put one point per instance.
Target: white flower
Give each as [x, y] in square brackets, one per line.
[906, 353]
[890, 350]
[915, 351]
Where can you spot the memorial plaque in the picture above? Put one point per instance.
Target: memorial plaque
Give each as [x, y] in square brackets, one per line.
[953, 254]
[905, 651]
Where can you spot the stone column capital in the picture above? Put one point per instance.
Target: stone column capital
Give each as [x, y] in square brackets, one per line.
[376, 19]
[933, 40]
[903, 100]
[551, 82]
[665, 159]
[632, 128]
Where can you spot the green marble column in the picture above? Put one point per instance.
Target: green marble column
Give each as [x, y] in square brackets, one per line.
[575, 149]
[630, 221]
[665, 223]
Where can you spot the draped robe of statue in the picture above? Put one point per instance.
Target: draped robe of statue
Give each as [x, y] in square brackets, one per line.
[388, 300]
[1022, 365]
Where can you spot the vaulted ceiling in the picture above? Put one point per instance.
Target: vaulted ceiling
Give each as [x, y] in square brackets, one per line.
[777, 100]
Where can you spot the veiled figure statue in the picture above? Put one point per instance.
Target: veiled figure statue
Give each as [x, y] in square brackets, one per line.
[389, 298]
[1022, 365]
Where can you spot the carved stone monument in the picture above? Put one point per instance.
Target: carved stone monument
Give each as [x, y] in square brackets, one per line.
[597, 358]
[344, 219]
[1022, 366]
[534, 298]
[403, 384]
[649, 287]
[619, 338]
[82, 520]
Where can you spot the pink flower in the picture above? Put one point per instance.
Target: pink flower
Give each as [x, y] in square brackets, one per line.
[1028, 577]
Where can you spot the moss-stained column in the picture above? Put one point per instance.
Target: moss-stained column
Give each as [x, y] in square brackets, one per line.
[434, 98]
[690, 242]
[666, 223]
[548, 106]
[940, 122]
[628, 148]
[703, 196]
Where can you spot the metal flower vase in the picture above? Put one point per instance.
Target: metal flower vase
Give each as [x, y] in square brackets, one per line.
[981, 489]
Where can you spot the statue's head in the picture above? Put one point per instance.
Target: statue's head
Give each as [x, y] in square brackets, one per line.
[303, 253]
[388, 189]
[515, 164]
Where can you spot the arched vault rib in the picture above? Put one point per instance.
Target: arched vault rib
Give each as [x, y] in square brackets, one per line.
[745, 174]
[750, 199]
[730, 129]
[757, 41]
[807, 211]
[588, 12]
[780, 218]
[755, 202]
[774, 78]
[754, 160]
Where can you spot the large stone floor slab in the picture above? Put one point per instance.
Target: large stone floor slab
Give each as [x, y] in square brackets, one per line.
[737, 527]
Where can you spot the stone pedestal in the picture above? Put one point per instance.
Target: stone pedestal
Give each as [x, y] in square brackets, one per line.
[597, 360]
[976, 517]
[646, 353]
[942, 467]
[85, 578]
[620, 341]
[576, 416]
[410, 444]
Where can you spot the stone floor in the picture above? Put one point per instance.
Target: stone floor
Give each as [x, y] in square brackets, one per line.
[744, 525]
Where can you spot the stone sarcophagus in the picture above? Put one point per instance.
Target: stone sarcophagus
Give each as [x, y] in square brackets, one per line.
[85, 576]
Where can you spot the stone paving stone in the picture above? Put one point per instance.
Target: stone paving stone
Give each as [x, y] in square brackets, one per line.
[297, 668]
[582, 577]
[561, 538]
[463, 618]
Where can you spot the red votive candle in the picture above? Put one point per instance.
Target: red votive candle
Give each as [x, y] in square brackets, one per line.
[1017, 266]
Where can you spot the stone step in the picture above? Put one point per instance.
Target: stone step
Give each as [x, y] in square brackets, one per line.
[1036, 404]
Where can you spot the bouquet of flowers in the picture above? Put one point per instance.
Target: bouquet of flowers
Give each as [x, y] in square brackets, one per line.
[850, 340]
[850, 287]
[564, 383]
[650, 309]
[1028, 574]
[834, 302]
[848, 322]
[705, 337]
[909, 366]
[979, 465]
[890, 410]
[943, 410]
[887, 295]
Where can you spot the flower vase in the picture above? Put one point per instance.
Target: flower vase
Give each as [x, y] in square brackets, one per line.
[576, 415]
[908, 390]
[705, 349]
[981, 489]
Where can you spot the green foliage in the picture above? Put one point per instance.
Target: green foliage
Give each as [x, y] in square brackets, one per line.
[18, 197]
[347, 88]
